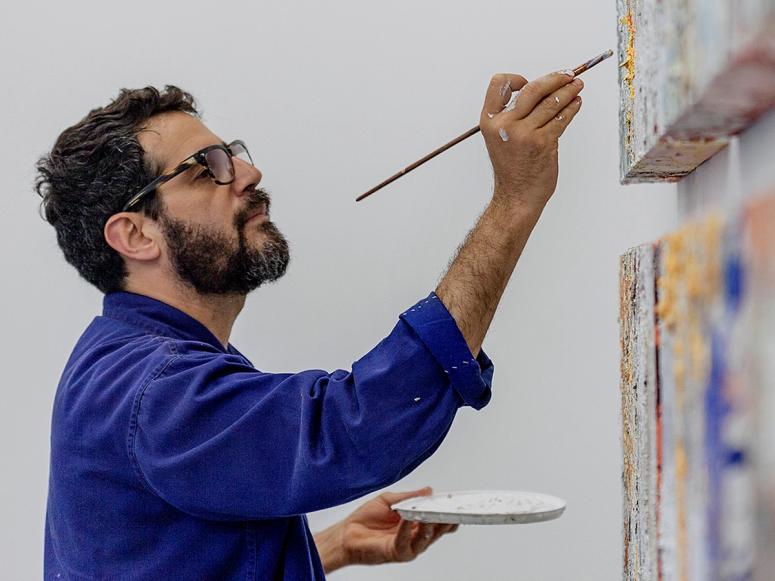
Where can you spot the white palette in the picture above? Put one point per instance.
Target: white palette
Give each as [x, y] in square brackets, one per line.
[481, 507]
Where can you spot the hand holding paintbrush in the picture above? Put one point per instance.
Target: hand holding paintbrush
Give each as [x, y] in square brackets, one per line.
[511, 86]
[521, 133]
[521, 124]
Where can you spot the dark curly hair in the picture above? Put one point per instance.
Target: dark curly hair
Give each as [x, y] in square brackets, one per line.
[93, 169]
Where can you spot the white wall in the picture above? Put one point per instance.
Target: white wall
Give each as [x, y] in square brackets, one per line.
[332, 98]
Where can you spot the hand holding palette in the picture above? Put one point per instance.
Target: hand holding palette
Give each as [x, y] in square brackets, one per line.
[481, 507]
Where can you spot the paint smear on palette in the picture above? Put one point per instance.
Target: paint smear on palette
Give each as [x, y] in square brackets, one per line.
[485, 503]
[707, 468]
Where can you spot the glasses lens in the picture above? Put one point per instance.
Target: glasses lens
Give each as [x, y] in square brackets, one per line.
[240, 151]
[220, 165]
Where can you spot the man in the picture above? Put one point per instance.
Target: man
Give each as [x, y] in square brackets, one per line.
[172, 456]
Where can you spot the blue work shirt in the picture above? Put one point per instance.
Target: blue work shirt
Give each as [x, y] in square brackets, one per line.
[174, 458]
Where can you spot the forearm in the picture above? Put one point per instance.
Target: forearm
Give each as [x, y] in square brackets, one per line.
[522, 144]
[474, 283]
[330, 545]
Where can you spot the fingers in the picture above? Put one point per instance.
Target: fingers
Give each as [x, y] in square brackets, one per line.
[413, 538]
[534, 91]
[423, 538]
[393, 497]
[559, 123]
[442, 530]
[403, 542]
[499, 92]
[551, 105]
[430, 534]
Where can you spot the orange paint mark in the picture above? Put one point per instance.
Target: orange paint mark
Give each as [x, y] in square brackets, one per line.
[629, 75]
[629, 62]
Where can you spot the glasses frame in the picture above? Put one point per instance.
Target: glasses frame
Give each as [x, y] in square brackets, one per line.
[190, 161]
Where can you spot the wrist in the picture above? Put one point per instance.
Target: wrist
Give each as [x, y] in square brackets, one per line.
[330, 546]
[514, 207]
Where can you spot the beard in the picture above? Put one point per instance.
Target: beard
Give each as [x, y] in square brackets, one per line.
[213, 263]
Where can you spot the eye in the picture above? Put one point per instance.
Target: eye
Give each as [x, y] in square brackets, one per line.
[203, 174]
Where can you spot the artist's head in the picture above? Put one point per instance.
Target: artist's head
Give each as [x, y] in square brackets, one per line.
[202, 235]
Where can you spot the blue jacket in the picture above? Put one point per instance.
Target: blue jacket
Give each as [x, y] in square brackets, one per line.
[174, 458]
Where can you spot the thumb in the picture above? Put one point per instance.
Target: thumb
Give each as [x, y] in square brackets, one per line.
[394, 497]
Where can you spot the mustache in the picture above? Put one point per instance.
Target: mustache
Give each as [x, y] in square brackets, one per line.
[255, 199]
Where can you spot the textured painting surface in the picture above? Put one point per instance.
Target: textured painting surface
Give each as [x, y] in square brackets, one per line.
[692, 74]
[699, 461]
[638, 391]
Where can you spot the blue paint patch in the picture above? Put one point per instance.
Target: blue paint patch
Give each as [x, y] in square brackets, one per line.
[733, 282]
[716, 454]
[735, 457]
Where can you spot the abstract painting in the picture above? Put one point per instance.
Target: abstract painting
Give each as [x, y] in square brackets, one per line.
[692, 73]
[697, 322]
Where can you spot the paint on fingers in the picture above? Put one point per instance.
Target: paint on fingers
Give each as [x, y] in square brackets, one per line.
[505, 88]
[503, 134]
[509, 106]
[512, 102]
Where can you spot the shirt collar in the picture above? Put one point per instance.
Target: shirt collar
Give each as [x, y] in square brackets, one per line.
[157, 316]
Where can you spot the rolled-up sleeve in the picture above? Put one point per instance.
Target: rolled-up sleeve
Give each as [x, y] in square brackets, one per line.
[219, 439]
[470, 377]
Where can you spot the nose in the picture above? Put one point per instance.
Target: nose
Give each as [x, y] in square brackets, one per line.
[246, 177]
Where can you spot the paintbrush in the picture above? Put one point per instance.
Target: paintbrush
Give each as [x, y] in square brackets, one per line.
[473, 131]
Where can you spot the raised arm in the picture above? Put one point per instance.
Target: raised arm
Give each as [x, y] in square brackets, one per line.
[522, 144]
[222, 440]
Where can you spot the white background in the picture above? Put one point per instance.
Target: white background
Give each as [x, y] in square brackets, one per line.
[332, 98]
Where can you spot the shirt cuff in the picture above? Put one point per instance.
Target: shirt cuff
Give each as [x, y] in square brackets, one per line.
[470, 377]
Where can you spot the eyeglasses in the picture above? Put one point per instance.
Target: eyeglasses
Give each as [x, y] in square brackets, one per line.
[217, 159]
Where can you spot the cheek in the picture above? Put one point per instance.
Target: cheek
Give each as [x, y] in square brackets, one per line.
[204, 206]
[195, 201]
[207, 216]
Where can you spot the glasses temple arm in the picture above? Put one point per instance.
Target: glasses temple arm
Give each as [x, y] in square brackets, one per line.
[159, 181]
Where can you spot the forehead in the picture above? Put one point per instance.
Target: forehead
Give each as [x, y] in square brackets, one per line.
[169, 138]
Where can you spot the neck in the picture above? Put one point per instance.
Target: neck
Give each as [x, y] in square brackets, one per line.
[216, 312]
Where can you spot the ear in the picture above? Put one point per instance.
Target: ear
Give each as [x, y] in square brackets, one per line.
[134, 236]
